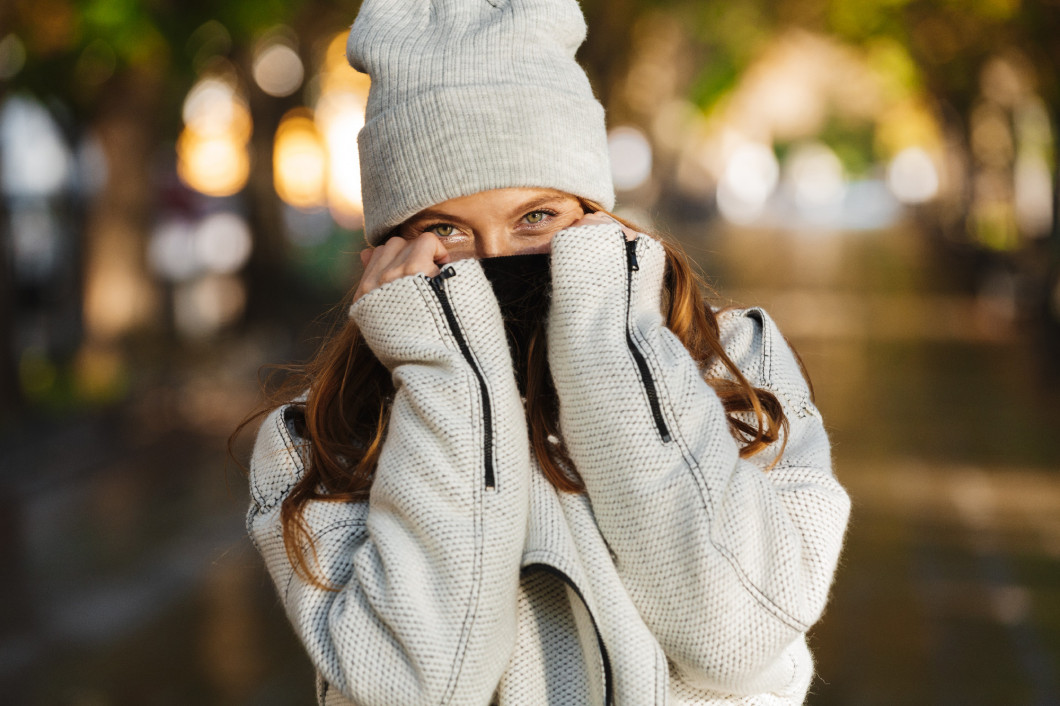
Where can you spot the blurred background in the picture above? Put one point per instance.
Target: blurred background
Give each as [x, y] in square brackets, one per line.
[179, 206]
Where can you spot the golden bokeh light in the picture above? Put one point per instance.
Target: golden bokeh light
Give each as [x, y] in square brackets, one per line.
[213, 165]
[212, 155]
[214, 107]
[907, 123]
[300, 161]
[340, 117]
[336, 75]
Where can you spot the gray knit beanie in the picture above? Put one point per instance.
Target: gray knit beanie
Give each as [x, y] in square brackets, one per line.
[471, 95]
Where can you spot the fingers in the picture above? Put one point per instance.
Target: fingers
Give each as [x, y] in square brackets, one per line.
[397, 258]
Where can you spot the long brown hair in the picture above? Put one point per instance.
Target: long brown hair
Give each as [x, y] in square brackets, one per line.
[348, 394]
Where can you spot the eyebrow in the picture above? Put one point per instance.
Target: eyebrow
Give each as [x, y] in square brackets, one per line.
[526, 207]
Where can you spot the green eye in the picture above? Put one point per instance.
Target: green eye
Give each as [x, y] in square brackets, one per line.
[535, 216]
[443, 230]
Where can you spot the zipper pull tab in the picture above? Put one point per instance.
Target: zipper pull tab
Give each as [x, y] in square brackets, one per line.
[631, 255]
[444, 274]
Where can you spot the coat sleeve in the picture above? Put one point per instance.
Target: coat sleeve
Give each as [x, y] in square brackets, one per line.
[728, 565]
[427, 569]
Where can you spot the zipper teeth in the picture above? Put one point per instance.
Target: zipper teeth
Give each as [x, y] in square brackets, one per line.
[487, 412]
[642, 363]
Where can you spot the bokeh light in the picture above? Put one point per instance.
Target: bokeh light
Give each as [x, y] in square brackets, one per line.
[216, 166]
[12, 56]
[207, 304]
[278, 69]
[181, 250]
[631, 157]
[214, 107]
[34, 158]
[816, 176]
[222, 242]
[300, 161]
[749, 179]
[212, 155]
[171, 250]
[340, 116]
[912, 176]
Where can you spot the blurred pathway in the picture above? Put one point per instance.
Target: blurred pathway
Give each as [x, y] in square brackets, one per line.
[128, 575]
[945, 431]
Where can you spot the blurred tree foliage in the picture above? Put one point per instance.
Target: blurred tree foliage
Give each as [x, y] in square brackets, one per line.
[120, 69]
[129, 63]
[950, 40]
[80, 50]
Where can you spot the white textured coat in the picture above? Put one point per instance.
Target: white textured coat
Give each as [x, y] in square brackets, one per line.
[683, 575]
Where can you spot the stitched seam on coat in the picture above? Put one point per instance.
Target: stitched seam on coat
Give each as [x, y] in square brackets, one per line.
[288, 443]
[641, 342]
[556, 559]
[319, 680]
[757, 594]
[767, 379]
[664, 400]
[448, 337]
[794, 671]
[760, 597]
[476, 590]
[767, 343]
[662, 674]
[630, 331]
[482, 403]
[248, 523]
[432, 306]
[338, 524]
[801, 403]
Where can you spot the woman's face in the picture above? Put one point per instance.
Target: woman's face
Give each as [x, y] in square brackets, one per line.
[513, 221]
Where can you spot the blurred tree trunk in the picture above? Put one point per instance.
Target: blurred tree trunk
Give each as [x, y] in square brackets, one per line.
[266, 272]
[605, 54]
[10, 390]
[119, 294]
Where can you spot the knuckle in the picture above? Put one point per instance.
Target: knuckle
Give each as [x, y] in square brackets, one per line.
[394, 243]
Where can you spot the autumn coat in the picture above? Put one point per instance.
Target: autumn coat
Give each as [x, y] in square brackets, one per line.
[682, 575]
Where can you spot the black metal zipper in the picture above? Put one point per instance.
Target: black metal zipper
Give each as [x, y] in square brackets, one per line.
[642, 363]
[487, 412]
[549, 569]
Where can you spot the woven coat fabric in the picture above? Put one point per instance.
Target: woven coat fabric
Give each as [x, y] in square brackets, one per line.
[683, 575]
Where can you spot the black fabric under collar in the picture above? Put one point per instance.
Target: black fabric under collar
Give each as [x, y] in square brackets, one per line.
[522, 285]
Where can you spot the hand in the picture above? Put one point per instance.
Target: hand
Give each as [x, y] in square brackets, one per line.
[599, 218]
[397, 258]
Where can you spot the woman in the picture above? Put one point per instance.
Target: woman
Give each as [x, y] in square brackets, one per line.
[552, 478]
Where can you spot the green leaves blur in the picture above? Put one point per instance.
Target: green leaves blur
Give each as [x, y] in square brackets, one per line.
[75, 47]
